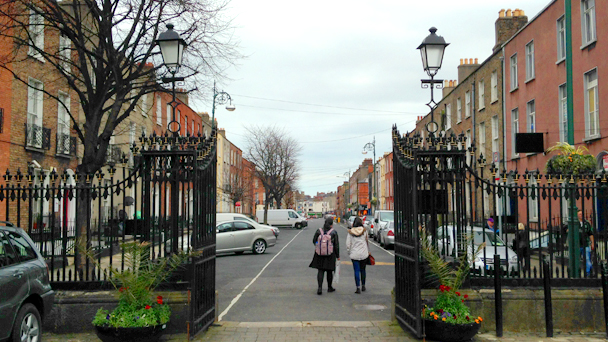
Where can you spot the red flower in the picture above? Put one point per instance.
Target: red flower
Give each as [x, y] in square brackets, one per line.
[468, 319]
[121, 289]
[458, 294]
[440, 311]
[159, 301]
[148, 307]
[159, 297]
[466, 296]
[463, 300]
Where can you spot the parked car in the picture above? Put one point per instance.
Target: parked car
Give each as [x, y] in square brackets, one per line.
[282, 217]
[350, 221]
[381, 220]
[26, 297]
[485, 260]
[387, 235]
[223, 217]
[241, 236]
[368, 223]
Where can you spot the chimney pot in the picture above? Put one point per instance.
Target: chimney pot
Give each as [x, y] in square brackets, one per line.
[461, 61]
[470, 60]
[516, 13]
[501, 13]
[522, 13]
[476, 61]
[509, 13]
[445, 83]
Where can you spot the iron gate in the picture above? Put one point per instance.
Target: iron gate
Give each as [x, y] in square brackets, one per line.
[429, 189]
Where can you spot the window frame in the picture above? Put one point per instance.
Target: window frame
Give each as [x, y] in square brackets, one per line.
[467, 104]
[514, 130]
[36, 32]
[481, 91]
[482, 140]
[531, 116]
[563, 112]
[513, 72]
[63, 123]
[159, 111]
[495, 134]
[561, 38]
[588, 24]
[588, 114]
[530, 69]
[448, 116]
[458, 110]
[494, 85]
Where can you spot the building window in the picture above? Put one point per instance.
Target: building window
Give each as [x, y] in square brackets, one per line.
[63, 124]
[588, 21]
[65, 53]
[467, 104]
[563, 113]
[530, 61]
[482, 95]
[514, 128]
[131, 133]
[494, 91]
[169, 114]
[533, 199]
[561, 39]
[531, 117]
[514, 83]
[159, 112]
[34, 113]
[591, 105]
[36, 33]
[448, 116]
[458, 110]
[495, 134]
[468, 145]
[186, 123]
[482, 140]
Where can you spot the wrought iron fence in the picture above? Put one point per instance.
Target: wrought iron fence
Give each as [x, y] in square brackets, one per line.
[163, 200]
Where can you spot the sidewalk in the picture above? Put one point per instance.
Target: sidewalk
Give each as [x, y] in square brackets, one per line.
[378, 331]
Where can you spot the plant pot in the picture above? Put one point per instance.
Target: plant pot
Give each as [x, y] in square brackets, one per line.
[137, 334]
[438, 330]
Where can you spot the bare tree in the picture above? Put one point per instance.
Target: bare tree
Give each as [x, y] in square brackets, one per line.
[275, 157]
[238, 186]
[107, 57]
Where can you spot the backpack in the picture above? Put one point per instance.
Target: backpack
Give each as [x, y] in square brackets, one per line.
[324, 246]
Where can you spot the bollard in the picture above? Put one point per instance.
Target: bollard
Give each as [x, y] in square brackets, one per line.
[604, 269]
[548, 303]
[498, 295]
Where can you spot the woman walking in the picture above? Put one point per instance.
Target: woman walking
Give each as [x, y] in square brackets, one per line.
[357, 247]
[327, 250]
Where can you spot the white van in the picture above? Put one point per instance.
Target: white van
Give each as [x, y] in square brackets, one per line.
[282, 217]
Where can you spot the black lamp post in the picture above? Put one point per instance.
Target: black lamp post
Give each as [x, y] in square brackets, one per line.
[221, 97]
[371, 146]
[431, 51]
[172, 49]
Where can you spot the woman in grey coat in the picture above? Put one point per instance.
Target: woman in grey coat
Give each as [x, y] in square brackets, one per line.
[357, 247]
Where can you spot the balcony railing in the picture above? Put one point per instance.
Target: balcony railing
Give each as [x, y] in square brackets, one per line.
[37, 137]
[113, 154]
[64, 144]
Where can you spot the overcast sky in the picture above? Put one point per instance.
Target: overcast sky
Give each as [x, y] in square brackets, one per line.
[335, 73]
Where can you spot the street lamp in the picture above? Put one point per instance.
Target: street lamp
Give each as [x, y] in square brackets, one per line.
[431, 51]
[172, 49]
[369, 147]
[221, 97]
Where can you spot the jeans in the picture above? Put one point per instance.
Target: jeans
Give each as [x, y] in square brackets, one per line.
[359, 267]
[587, 257]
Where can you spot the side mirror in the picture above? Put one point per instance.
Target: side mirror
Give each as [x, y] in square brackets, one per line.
[376, 220]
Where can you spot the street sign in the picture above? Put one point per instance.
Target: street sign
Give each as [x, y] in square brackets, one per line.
[496, 157]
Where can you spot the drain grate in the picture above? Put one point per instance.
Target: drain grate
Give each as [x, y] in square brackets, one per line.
[370, 307]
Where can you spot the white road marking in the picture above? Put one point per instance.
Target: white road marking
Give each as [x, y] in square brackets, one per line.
[371, 241]
[236, 299]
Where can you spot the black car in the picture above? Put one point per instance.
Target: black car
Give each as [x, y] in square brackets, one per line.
[26, 296]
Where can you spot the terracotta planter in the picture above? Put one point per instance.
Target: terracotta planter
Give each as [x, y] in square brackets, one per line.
[437, 330]
[139, 334]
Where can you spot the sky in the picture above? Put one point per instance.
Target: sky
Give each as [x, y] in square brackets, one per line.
[337, 74]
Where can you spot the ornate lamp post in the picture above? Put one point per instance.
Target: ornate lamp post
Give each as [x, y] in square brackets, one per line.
[431, 51]
[221, 97]
[172, 49]
[367, 148]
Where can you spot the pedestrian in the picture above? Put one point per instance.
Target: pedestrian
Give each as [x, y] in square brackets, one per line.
[327, 251]
[586, 241]
[523, 245]
[357, 246]
[490, 225]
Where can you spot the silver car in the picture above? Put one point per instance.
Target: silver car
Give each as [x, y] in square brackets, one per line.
[387, 235]
[241, 236]
[350, 221]
[26, 296]
[223, 217]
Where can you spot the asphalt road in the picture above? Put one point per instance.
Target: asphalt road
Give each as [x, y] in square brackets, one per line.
[278, 286]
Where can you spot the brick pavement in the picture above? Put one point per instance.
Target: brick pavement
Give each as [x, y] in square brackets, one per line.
[380, 331]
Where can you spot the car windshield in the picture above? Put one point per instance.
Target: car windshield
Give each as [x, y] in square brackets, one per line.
[387, 216]
[491, 239]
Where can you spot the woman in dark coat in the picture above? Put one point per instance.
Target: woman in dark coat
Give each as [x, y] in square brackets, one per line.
[326, 263]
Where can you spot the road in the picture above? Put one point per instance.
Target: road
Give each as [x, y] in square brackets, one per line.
[278, 286]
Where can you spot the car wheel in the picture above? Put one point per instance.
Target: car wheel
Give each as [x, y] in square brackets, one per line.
[259, 246]
[28, 325]
[298, 226]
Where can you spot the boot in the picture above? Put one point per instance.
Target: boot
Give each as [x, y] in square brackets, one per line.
[331, 289]
[358, 291]
[363, 288]
[319, 291]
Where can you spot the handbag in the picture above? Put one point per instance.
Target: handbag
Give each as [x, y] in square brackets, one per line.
[370, 260]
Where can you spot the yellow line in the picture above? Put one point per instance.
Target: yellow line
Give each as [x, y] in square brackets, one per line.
[378, 263]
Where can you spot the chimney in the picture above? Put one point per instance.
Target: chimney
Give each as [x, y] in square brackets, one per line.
[448, 87]
[464, 70]
[507, 25]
